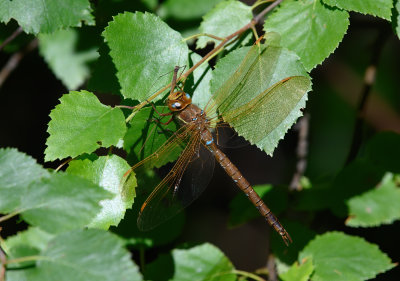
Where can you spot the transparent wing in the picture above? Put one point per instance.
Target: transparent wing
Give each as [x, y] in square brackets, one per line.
[186, 180]
[264, 96]
[183, 184]
[271, 105]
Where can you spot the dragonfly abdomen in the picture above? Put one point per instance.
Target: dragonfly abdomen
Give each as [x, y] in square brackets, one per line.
[246, 187]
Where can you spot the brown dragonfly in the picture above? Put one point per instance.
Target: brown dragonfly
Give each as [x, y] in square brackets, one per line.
[192, 171]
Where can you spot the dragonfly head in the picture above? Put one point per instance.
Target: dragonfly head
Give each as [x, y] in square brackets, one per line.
[178, 101]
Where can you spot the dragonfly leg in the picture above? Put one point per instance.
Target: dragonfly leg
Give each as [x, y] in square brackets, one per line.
[159, 113]
[162, 123]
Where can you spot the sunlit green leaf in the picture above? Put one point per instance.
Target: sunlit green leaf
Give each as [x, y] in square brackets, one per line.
[107, 172]
[337, 256]
[188, 10]
[264, 96]
[396, 18]
[219, 21]
[226, 67]
[17, 172]
[83, 255]
[298, 272]
[81, 124]
[6, 10]
[33, 237]
[206, 262]
[61, 202]
[242, 210]
[67, 63]
[380, 8]
[145, 51]
[380, 205]
[309, 28]
[198, 84]
[46, 16]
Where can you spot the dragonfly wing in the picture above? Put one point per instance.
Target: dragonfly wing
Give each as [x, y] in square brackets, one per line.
[183, 184]
[263, 97]
[265, 119]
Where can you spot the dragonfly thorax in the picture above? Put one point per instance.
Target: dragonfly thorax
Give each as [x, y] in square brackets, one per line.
[178, 101]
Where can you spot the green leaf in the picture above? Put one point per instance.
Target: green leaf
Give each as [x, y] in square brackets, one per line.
[226, 67]
[107, 172]
[375, 207]
[242, 210]
[46, 16]
[6, 10]
[219, 21]
[309, 28]
[81, 124]
[337, 256]
[264, 96]
[83, 255]
[33, 237]
[380, 8]
[146, 134]
[298, 272]
[188, 10]
[61, 202]
[198, 84]
[206, 262]
[144, 49]
[67, 63]
[396, 18]
[17, 172]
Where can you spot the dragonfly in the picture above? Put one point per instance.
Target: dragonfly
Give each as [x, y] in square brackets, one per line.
[193, 169]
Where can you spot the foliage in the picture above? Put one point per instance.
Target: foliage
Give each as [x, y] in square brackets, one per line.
[78, 224]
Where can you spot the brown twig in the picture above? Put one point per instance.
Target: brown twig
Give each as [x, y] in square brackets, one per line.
[261, 15]
[369, 80]
[63, 163]
[14, 60]
[271, 266]
[3, 261]
[225, 41]
[17, 32]
[301, 151]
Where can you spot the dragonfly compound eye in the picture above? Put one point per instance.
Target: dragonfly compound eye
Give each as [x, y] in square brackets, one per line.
[177, 105]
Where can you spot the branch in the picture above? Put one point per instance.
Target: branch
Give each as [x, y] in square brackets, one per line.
[17, 32]
[301, 151]
[271, 266]
[14, 60]
[369, 80]
[224, 42]
[261, 15]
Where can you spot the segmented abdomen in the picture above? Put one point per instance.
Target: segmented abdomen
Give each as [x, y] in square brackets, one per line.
[245, 186]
